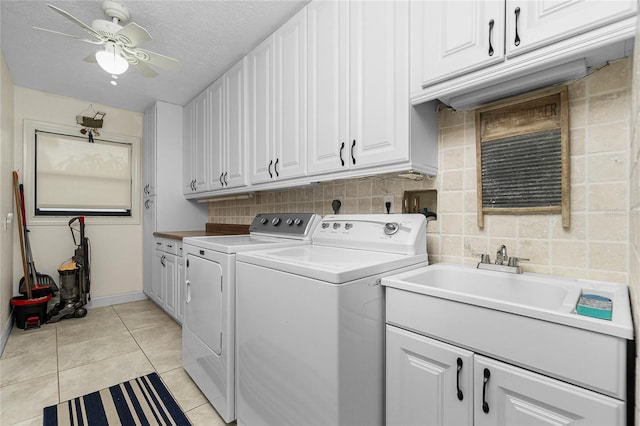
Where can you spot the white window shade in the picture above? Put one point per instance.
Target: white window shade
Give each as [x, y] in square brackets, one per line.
[74, 175]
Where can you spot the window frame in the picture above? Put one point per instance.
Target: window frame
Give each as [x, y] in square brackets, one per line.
[28, 176]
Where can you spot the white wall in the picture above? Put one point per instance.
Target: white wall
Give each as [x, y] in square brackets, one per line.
[116, 256]
[6, 193]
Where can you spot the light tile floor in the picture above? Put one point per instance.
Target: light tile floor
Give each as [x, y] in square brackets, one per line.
[73, 357]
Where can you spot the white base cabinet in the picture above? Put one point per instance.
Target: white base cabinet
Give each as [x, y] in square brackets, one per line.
[168, 277]
[435, 383]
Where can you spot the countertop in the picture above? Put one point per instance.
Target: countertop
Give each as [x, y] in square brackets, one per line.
[210, 229]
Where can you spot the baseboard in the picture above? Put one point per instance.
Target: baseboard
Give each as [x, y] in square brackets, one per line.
[98, 302]
[5, 333]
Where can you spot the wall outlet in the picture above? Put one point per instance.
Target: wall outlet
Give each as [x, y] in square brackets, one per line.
[388, 199]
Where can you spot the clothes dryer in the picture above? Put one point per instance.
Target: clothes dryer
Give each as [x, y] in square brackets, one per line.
[208, 328]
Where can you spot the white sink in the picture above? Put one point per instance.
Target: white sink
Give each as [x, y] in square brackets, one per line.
[544, 297]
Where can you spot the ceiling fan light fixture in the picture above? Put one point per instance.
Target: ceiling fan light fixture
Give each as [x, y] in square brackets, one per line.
[111, 61]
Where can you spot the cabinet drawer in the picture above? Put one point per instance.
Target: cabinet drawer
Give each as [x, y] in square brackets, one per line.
[171, 246]
[592, 360]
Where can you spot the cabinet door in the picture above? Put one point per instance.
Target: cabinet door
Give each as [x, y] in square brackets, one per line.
[507, 395]
[261, 108]
[328, 77]
[170, 281]
[200, 151]
[149, 152]
[290, 117]
[458, 37]
[158, 278]
[181, 288]
[148, 228]
[215, 117]
[235, 124]
[188, 148]
[379, 82]
[533, 24]
[427, 382]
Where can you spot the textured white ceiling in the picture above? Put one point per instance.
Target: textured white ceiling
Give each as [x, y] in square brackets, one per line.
[206, 36]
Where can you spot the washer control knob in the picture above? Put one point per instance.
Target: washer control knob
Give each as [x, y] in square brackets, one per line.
[264, 220]
[336, 225]
[298, 221]
[348, 226]
[275, 221]
[325, 225]
[289, 221]
[391, 228]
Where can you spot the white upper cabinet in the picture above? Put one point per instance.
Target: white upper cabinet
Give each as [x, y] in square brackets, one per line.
[196, 133]
[235, 83]
[501, 46]
[215, 95]
[457, 37]
[227, 129]
[533, 24]
[358, 84]
[379, 82]
[277, 103]
[149, 153]
[328, 85]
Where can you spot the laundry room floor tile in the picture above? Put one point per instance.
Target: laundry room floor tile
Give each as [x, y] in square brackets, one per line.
[72, 357]
[25, 400]
[86, 352]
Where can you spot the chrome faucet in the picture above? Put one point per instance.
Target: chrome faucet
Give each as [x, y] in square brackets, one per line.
[512, 265]
[501, 255]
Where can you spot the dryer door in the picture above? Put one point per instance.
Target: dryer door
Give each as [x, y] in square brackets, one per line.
[203, 307]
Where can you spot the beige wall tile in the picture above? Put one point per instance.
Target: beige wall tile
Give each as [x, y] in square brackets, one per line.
[609, 108]
[614, 76]
[608, 137]
[538, 226]
[608, 226]
[569, 254]
[608, 197]
[607, 167]
[609, 256]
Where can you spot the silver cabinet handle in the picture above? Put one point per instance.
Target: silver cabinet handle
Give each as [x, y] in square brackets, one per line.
[270, 174]
[225, 179]
[341, 149]
[275, 167]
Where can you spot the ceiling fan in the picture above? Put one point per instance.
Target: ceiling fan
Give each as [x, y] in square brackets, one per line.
[120, 43]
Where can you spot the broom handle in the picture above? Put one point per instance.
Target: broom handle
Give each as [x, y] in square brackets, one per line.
[16, 190]
[31, 265]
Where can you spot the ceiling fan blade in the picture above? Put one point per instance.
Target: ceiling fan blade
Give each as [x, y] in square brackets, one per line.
[132, 35]
[91, 58]
[157, 59]
[78, 22]
[69, 35]
[145, 69]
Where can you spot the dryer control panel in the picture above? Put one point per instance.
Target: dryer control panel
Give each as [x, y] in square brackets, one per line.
[391, 233]
[284, 224]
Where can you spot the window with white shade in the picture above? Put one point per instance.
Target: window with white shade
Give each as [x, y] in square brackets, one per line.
[65, 175]
[75, 176]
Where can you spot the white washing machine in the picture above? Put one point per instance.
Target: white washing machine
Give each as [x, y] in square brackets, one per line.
[208, 328]
[310, 321]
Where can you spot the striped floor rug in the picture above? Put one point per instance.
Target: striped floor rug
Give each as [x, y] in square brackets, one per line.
[141, 401]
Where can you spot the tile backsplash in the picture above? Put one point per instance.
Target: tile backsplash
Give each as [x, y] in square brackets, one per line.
[596, 246]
